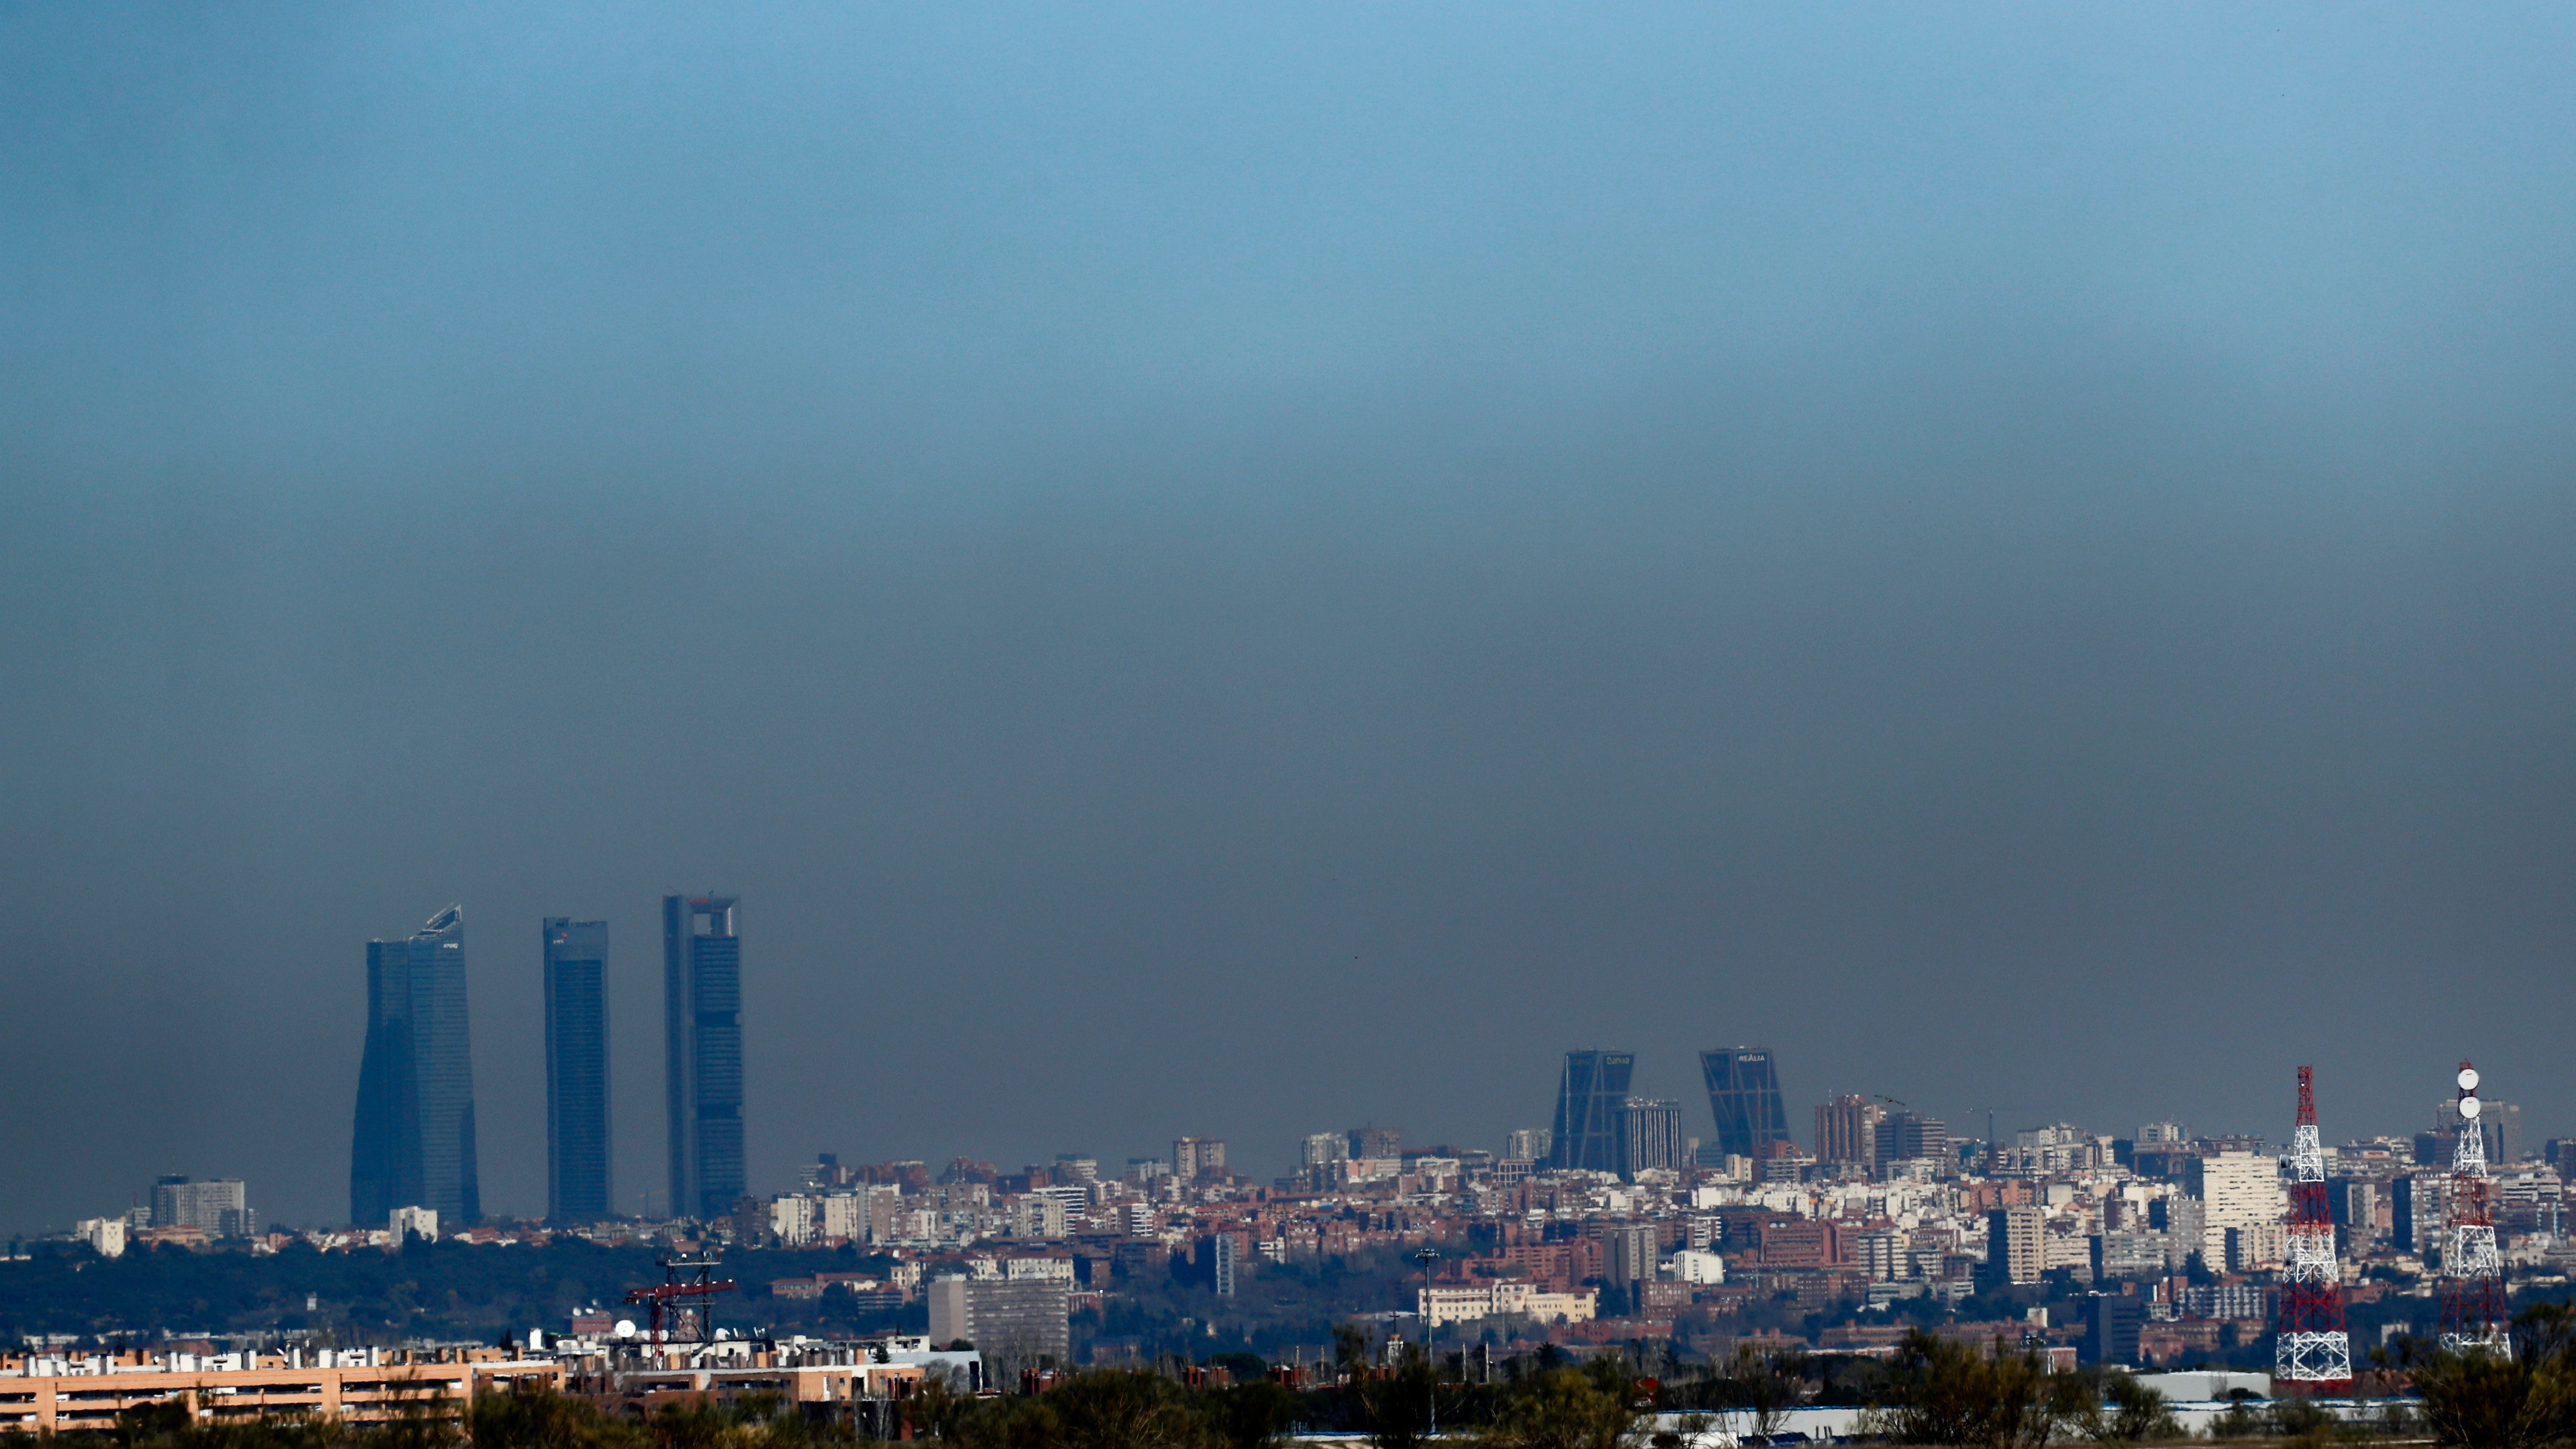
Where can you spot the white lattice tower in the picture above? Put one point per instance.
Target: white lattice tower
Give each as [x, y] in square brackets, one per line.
[2310, 1347]
[2473, 1306]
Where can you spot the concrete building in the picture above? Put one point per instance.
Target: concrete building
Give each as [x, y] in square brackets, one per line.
[2113, 1326]
[1698, 1265]
[2118, 1255]
[219, 1209]
[1629, 1252]
[1019, 1321]
[105, 1236]
[2014, 1251]
[51, 1394]
[1528, 1144]
[1847, 1130]
[408, 1222]
[2235, 1190]
[1229, 1262]
[1197, 1158]
[1323, 1147]
[1376, 1142]
[1650, 1136]
[1905, 1136]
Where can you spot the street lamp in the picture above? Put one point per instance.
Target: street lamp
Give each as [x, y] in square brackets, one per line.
[1427, 1256]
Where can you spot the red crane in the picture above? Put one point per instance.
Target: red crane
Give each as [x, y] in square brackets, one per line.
[679, 1302]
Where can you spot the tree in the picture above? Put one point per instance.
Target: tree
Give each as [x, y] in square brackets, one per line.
[1763, 1385]
[1591, 1407]
[2522, 1400]
[1944, 1392]
[2138, 1414]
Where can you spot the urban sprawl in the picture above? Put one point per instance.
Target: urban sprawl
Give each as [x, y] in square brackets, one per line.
[2219, 1262]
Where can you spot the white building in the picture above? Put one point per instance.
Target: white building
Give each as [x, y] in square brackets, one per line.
[2236, 1190]
[1693, 1265]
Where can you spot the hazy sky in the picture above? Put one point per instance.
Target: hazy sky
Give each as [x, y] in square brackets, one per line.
[1243, 570]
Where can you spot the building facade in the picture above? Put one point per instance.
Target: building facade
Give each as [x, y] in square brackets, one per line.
[1650, 1135]
[2014, 1252]
[702, 1051]
[413, 1142]
[2235, 1190]
[1194, 1158]
[1905, 1136]
[1847, 1130]
[1589, 1095]
[220, 1209]
[579, 1184]
[1744, 1097]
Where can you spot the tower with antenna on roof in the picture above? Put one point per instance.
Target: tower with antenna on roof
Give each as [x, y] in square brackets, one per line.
[2311, 1352]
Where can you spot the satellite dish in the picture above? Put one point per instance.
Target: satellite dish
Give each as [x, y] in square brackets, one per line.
[2469, 1108]
[2468, 1079]
[626, 1328]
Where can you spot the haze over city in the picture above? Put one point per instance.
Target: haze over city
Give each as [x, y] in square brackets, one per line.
[1246, 574]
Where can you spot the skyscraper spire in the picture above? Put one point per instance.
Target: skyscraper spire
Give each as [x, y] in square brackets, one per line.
[2311, 1351]
[2473, 1309]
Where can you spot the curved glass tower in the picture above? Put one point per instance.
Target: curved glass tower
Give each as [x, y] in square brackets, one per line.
[413, 1145]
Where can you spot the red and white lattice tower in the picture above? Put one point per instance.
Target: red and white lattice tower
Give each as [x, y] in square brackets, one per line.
[2311, 1350]
[2473, 1308]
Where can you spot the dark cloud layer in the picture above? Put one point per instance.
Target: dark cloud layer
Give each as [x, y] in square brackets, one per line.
[1244, 575]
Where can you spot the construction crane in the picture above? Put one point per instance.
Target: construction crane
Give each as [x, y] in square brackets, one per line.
[678, 1304]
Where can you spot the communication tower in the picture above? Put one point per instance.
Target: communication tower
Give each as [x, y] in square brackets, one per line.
[2311, 1350]
[2473, 1310]
[679, 1302]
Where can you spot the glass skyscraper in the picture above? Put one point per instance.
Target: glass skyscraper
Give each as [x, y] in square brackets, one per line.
[702, 1021]
[1589, 1097]
[414, 1141]
[579, 1188]
[1744, 1095]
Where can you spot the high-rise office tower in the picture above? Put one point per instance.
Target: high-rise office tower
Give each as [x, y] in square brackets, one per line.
[414, 1141]
[1744, 1095]
[1588, 1098]
[1847, 1130]
[1650, 1135]
[1909, 1136]
[579, 1188]
[702, 1040]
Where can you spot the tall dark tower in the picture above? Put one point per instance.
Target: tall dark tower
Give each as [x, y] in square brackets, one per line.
[413, 1144]
[1589, 1097]
[1744, 1095]
[579, 1187]
[702, 1016]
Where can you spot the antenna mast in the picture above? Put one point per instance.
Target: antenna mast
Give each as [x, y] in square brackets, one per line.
[2311, 1350]
[2473, 1310]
